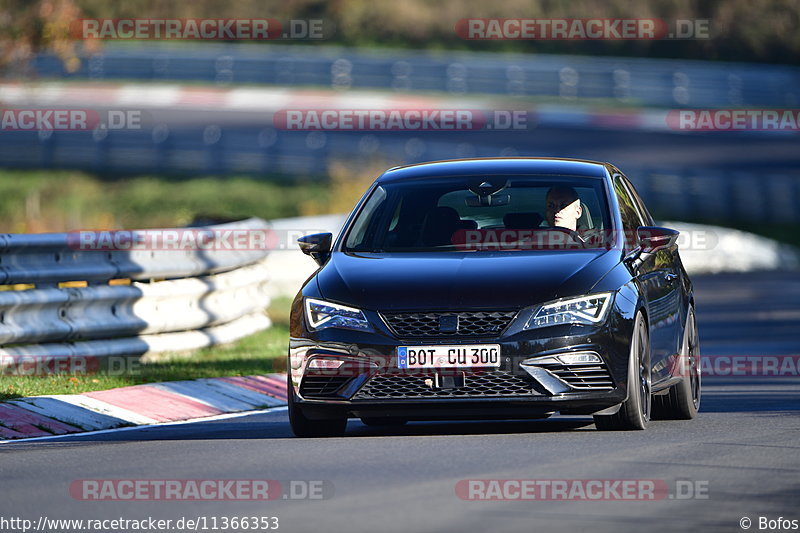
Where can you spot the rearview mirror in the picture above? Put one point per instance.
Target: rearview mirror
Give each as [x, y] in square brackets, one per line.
[488, 200]
[318, 246]
[654, 238]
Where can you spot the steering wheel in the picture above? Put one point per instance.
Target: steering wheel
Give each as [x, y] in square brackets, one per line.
[574, 235]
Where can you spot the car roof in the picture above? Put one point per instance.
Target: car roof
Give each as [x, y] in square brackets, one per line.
[497, 165]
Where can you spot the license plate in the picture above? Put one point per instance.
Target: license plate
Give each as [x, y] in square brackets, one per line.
[443, 356]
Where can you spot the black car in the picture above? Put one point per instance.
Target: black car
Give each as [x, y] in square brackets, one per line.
[503, 288]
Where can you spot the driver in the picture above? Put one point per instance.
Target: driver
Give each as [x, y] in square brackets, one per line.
[563, 207]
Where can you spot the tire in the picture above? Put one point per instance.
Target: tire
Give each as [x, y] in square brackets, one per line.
[634, 414]
[380, 421]
[309, 428]
[683, 399]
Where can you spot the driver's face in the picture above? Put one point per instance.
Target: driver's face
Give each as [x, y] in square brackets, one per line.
[562, 211]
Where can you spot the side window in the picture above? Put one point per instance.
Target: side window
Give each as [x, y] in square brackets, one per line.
[627, 207]
[358, 233]
[645, 214]
[396, 216]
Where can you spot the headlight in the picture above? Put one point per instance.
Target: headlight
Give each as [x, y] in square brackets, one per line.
[584, 310]
[321, 315]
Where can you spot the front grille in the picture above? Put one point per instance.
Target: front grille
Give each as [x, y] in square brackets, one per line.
[584, 377]
[470, 323]
[322, 386]
[495, 383]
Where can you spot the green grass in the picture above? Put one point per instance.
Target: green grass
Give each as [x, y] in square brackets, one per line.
[261, 353]
[37, 201]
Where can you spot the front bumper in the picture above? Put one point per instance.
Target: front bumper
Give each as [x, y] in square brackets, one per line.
[369, 382]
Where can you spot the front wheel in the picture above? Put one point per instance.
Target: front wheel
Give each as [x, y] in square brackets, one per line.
[635, 411]
[307, 427]
[683, 399]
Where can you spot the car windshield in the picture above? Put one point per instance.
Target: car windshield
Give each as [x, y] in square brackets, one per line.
[480, 213]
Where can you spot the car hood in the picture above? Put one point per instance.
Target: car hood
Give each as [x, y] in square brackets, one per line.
[461, 280]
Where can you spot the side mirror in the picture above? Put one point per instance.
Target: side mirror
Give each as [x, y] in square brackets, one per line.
[318, 246]
[654, 238]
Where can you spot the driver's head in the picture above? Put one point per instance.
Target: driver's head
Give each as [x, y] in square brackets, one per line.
[563, 207]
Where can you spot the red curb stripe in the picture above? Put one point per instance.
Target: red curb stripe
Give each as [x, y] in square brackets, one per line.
[620, 119]
[155, 403]
[257, 385]
[247, 383]
[99, 95]
[6, 433]
[278, 385]
[26, 422]
[206, 97]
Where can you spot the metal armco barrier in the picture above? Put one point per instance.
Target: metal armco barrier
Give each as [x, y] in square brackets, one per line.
[50, 258]
[208, 296]
[646, 81]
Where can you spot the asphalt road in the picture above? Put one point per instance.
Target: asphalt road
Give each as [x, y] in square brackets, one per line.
[742, 453]
[728, 152]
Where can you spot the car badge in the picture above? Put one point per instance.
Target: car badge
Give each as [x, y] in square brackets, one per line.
[448, 323]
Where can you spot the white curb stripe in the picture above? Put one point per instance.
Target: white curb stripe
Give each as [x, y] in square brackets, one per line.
[203, 393]
[149, 95]
[258, 99]
[244, 394]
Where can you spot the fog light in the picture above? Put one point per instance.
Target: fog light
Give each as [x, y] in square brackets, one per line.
[547, 360]
[579, 358]
[325, 364]
[575, 358]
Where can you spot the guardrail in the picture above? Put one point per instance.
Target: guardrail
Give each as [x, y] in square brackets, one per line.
[646, 81]
[205, 296]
